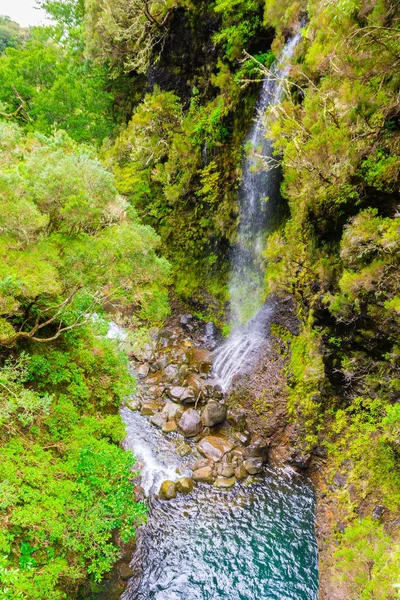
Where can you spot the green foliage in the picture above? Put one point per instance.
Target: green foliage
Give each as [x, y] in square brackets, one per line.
[11, 34]
[367, 561]
[47, 84]
[241, 21]
[59, 249]
[65, 483]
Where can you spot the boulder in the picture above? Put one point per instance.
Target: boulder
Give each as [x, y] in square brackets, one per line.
[167, 490]
[257, 449]
[214, 447]
[149, 409]
[226, 470]
[171, 371]
[172, 411]
[176, 392]
[155, 379]
[190, 423]
[225, 482]
[143, 370]
[253, 465]
[158, 419]
[213, 414]
[201, 463]
[169, 426]
[204, 475]
[185, 485]
[240, 472]
[133, 404]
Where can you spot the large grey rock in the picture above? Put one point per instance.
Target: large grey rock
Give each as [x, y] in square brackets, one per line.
[176, 392]
[190, 423]
[213, 414]
[204, 475]
[214, 447]
[188, 396]
[167, 490]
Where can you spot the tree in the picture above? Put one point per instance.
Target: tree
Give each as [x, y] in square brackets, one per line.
[68, 242]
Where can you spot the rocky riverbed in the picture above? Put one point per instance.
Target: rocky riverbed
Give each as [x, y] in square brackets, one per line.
[178, 393]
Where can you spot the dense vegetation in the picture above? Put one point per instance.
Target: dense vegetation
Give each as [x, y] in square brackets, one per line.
[121, 130]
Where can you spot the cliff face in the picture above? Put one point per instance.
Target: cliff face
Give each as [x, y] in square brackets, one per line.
[337, 253]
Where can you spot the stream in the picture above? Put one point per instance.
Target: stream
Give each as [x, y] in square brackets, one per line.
[255, 542]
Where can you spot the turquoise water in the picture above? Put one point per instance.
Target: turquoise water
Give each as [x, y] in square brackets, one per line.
[255, 542]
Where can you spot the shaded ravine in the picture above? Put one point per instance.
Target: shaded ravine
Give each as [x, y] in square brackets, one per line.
[255, 542]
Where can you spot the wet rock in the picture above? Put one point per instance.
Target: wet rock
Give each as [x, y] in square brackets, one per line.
[143, 370]
[378, 512]
[171, 371]
[184, 320]
[139, 494]
[238, 453]
[183, 450]
[185, 485]
[190, 423]
[204, 475]
[169, 427]
[134, 404]
[167, 490]
[214, 447]
[253, 465]
[242, 437]
[225, 482]
[257, 449]
[226, 470]
[172, 411]
[176, 392]
[125, 572]
[158, 419]
[237, 417]
[149, 409]
[213, 414]
[188, 396]
[201, 463]
[240, 472]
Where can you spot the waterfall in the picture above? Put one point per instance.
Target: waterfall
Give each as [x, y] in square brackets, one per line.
[259, 201]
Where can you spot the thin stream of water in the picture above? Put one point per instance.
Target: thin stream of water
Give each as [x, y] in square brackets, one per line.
[259, 204]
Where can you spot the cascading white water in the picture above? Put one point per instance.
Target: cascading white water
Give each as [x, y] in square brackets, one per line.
[259, 208]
